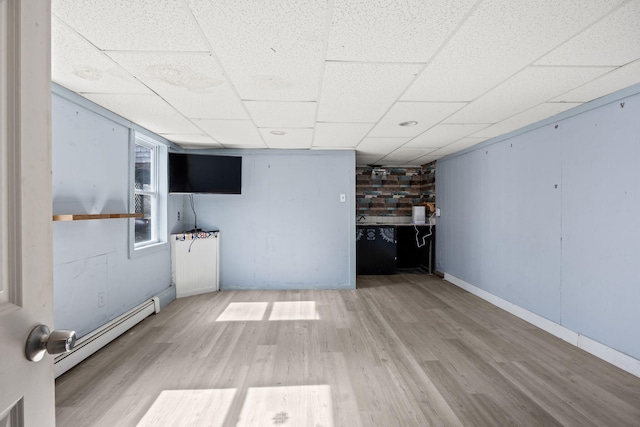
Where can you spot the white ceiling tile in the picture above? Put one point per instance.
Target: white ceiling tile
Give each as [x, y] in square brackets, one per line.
[615, 40]
[148, 111]
[615, 80]
[282, 114]
[404, 156]
[270, 60]
[533, 115]
[233, 133]
[274, 51]
[458, 146]
[426, 114]
[191, 82]
[424, 159]
[370, 150]
[362, 92]
[185, 140]
[380, 146]
[525, 90]
[294, 138]
[390, 30]
[188, 146]
[79, 66]
[398, 162]
[499, 39]
[346, 135]
[367, 159]
[443, 134]
[132, 25]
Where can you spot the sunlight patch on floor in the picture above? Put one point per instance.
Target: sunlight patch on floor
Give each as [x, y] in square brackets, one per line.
[308, 405]
[243, 311]
[294, 310]
[193, 408]
[280, 310]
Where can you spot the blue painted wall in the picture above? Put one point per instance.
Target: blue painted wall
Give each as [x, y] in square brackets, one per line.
[90, 166]
[288, 228]
[547, 219]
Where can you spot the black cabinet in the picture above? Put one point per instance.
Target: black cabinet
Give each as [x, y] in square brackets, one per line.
[375, 249]
[416, 247]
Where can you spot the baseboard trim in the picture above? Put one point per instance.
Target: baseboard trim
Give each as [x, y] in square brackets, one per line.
[95, 340]
[608, 354]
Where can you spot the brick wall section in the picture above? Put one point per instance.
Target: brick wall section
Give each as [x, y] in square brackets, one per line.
[397, 192]
[428, 186]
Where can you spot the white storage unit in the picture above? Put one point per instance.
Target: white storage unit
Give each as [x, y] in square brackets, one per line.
[195, 262]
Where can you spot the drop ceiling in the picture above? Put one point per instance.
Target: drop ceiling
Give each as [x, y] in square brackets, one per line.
[343, 74]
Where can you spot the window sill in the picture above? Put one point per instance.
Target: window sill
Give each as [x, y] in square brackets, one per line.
[148, 249]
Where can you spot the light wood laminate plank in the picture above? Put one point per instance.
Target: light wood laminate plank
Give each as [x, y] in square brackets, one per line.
[401, 350]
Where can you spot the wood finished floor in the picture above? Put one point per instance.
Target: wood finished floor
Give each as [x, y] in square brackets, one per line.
[401, 350]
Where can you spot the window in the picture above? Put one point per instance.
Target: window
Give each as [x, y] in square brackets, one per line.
[147, 197]
[145, 193]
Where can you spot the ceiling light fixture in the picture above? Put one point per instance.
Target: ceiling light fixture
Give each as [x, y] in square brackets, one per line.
[277, 132]
[409, 123]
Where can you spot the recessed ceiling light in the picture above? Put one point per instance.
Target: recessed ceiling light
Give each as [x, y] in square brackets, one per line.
[409, 123]
[277, 132]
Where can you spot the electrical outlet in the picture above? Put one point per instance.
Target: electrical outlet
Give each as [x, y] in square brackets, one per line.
[101, 299]
[178, 215]
[438, 212]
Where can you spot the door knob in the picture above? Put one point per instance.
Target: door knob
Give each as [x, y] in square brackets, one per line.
[41, 340]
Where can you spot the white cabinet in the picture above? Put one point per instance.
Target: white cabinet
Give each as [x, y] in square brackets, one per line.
[195, 262]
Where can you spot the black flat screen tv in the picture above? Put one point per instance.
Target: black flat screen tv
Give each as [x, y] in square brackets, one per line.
[201, 173]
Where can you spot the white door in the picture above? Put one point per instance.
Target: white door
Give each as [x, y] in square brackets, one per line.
[26, 294]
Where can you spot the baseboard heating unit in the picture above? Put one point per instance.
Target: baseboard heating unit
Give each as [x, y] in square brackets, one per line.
[102, 336]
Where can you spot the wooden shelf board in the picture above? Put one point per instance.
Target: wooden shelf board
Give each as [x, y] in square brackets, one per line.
[80, 217]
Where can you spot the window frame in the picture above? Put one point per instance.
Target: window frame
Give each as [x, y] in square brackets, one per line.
[158, 192]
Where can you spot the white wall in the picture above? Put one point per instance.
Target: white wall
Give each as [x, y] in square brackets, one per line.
[567, 253]
[288, 228]
[91, 258]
